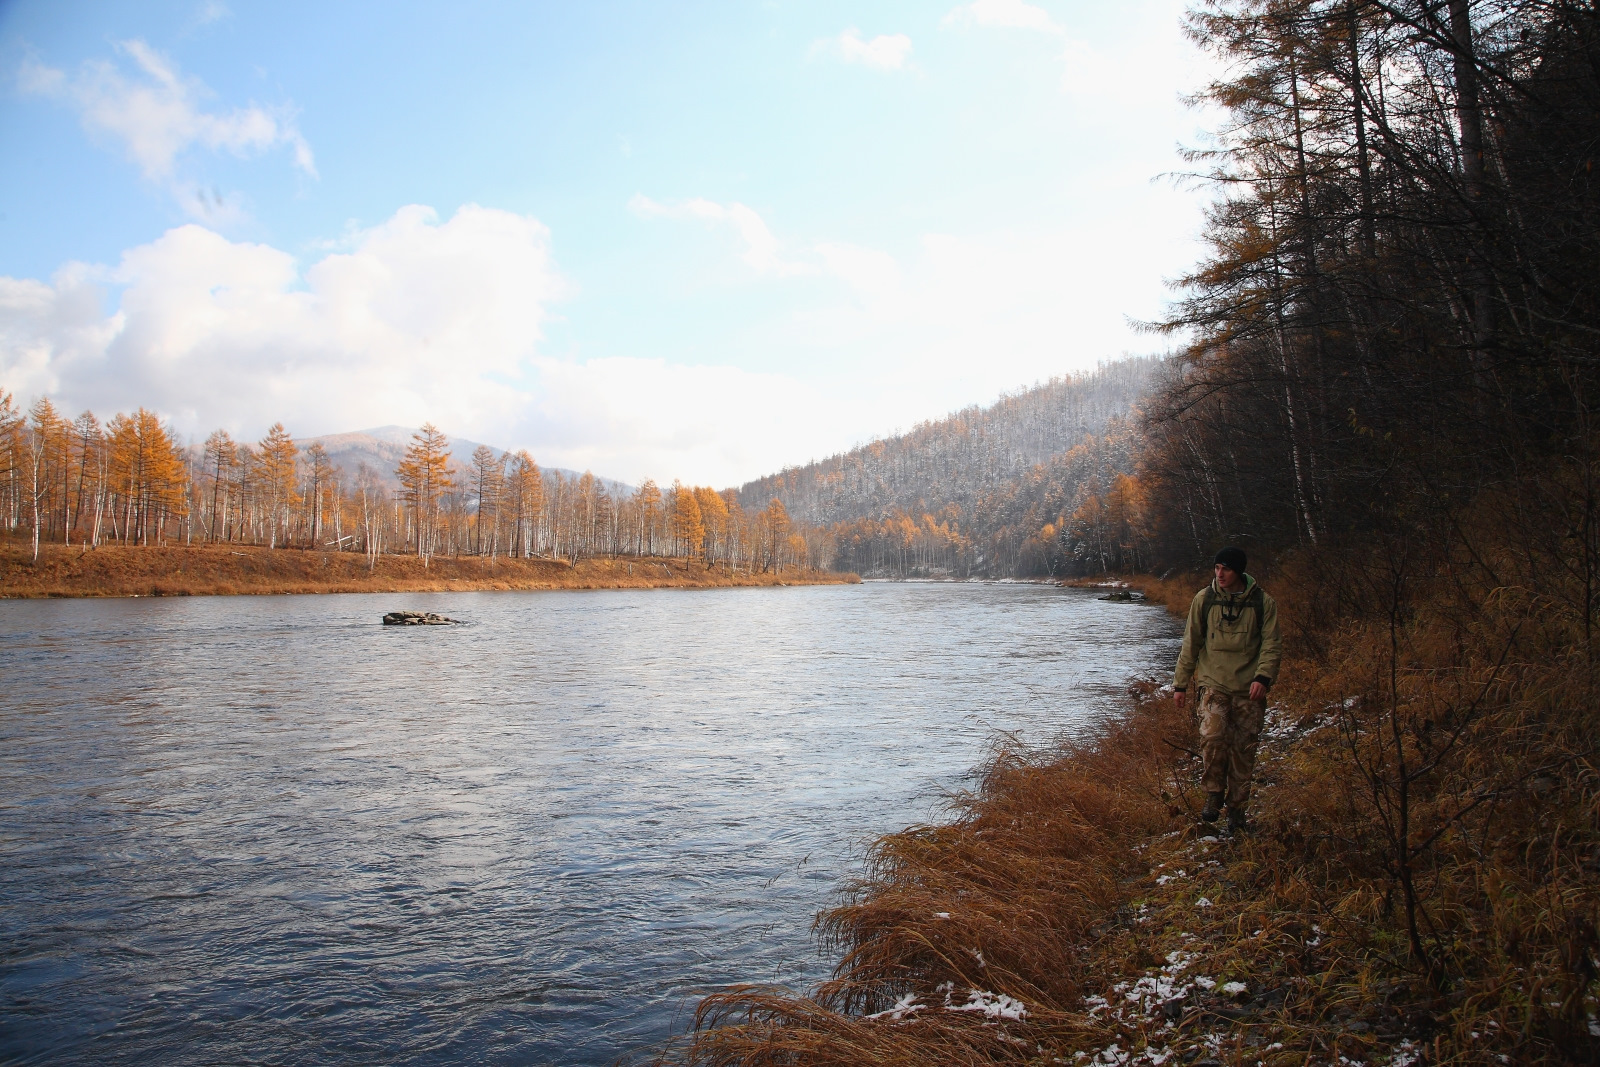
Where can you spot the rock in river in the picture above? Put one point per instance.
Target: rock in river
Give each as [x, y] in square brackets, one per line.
[415, 618]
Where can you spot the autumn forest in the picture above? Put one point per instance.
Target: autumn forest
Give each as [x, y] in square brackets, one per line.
[130, 481]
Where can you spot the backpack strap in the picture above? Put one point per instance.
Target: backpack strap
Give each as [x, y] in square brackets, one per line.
[1256, 599]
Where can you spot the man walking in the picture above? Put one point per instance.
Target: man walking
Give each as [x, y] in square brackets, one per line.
[1232, 650]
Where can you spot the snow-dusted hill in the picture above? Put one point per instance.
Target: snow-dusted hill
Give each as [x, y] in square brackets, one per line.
[382, 447]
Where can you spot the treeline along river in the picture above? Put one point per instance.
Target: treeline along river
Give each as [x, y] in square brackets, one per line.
[271, 830]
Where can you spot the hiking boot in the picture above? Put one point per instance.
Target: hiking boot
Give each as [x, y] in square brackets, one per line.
[1236, 821]
[1213, 807]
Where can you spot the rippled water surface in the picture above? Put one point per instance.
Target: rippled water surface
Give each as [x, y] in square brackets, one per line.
[268, 829]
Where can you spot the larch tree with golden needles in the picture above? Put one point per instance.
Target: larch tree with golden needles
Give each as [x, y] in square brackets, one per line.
[714, 516]
[524, 494]
[277, 454]
[147, 470]
[688, 528]
[736, 534]
[221, 456]
[48, 446]
[424, 476]
[648, 501]
[775, 534]
[122, 472]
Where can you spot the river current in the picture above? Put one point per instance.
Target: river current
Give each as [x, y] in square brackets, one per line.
[271, 830]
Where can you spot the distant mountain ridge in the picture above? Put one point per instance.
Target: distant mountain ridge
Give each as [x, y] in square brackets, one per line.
[963, 457]
[994, 491]
[382, 447]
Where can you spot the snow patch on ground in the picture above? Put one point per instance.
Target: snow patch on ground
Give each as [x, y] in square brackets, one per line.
[1146, 997]
[1113, 1055]
[1406, 1054]
[992, 1005]
[902, 1007]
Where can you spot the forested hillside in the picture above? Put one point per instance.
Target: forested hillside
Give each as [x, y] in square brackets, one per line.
[986, 491]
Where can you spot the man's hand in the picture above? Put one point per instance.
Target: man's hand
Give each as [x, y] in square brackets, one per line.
[1180, 695]
[1258, 691]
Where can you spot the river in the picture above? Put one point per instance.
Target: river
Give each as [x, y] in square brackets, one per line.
[269, 829]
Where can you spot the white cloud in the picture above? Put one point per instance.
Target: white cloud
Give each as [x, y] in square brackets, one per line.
[418, 320]
[412, 320]
[1008, 14]
[158, 115]
[48, 330]
[761, 249]
[884, 52]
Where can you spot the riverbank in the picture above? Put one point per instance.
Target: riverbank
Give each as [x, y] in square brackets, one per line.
[1419, 885]
[213, 570]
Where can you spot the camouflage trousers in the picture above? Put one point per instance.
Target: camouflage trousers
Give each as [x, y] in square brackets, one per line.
[1230, 728]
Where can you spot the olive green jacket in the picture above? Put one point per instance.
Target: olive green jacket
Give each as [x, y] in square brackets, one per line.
[1231, 640]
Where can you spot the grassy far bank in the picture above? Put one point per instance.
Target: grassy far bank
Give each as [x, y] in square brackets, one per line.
[206, 570]
[1420, 885]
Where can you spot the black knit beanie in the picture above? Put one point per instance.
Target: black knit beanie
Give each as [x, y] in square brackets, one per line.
[1232, 558]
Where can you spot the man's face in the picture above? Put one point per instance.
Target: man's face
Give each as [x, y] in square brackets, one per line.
[1227, 577]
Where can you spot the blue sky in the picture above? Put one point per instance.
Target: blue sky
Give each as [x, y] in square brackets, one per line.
[695, 241]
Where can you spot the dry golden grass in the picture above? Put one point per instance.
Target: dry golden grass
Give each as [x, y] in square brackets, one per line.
[1077, 881]
[202, 570]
